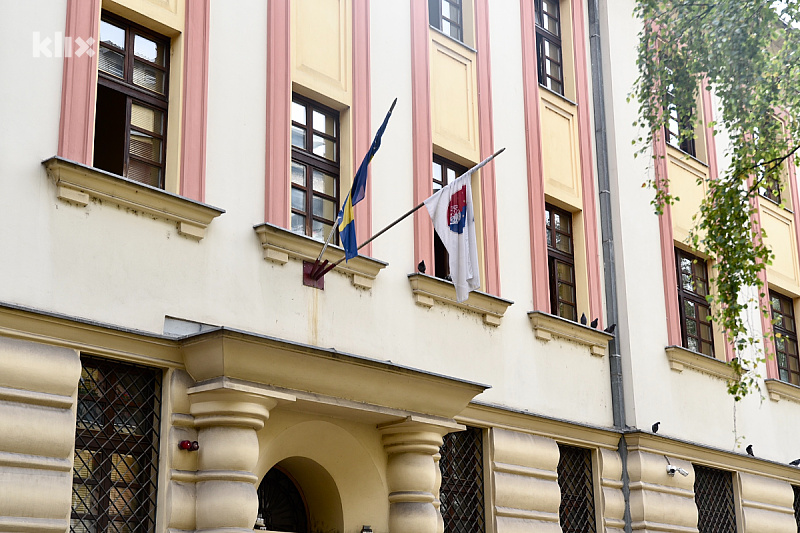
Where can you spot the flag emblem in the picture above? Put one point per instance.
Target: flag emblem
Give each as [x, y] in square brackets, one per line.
[457, 210]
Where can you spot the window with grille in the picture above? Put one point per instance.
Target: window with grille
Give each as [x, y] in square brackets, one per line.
[131, 107]
[448, 17]
[116, 448]
[785, 330]
[695, 312]
[461, 493]
[548, 45]
[713, 495]
[561, 263]
[576, 512]
[797, 506]
[444, 172]
[315, 168]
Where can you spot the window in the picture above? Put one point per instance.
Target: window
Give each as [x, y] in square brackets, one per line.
[131, 108]
[281, 503]
[576, 512]
[315, 168]
[116, 448]
[771, 187]
[679, 131]
[561, 263]
[785, 330]
[444, 172]
[448, 17]
[796, 506]
[696, 330]
[713, 495]
[548, 45]
[462, 481]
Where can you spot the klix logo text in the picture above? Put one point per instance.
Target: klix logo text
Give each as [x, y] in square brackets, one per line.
[60, 46]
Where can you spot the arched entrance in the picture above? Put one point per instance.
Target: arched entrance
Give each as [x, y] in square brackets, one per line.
[281, 504]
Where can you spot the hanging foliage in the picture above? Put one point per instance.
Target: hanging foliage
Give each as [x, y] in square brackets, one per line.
[748, 53]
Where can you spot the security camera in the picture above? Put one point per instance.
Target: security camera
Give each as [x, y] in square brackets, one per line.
[671, 469]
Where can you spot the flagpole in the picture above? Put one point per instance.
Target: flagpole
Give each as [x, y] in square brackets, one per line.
[330, 234]
[331, 266]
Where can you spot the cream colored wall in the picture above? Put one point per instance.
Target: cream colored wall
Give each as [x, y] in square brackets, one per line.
[690, 405]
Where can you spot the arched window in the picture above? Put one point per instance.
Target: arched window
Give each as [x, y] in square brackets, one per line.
[281, 506]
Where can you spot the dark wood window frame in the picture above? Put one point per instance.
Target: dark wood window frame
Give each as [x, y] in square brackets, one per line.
[681, 126]
[557, 257]
[305, 157]
[547, 39]
[437, 18]
[447, 172]
[693, 287]
[117, 417]
[137, 94]
[784, 327]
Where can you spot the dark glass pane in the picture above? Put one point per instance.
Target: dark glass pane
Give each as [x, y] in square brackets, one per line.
[149, 49]
[298, 224]
[112, 34]
[148, 77]
[689, 308]
[298, 174]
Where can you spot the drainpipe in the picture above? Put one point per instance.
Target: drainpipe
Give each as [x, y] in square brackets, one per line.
[607, 233]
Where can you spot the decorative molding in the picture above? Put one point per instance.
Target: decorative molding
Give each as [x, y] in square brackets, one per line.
[280, 244]
[780, 390]
[547, 326]
[42, 399]
[681, 358]
[79, 184]
[427, 290]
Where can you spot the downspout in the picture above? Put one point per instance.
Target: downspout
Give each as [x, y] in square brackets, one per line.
[607, 234]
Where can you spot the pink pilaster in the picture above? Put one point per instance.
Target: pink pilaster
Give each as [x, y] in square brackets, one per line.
[486, 137]
[587, 164]
[279, 99]
[362, 135]
[422, 137]
[533, 151]
[667, 249]
[195, 100]
[79, 84]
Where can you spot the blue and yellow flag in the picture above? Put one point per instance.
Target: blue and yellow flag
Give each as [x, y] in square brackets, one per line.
[346, 219]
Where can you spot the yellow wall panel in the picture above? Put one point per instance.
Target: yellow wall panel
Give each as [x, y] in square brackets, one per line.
[454, 107]
[164, 16]
[322, 47]
[779, 227]
[562, 175]
[683, 175]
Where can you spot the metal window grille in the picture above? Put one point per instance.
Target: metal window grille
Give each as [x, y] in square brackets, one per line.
[116, 448]
[713, 495]
[576, 512]
[462, 482]
[797, 506]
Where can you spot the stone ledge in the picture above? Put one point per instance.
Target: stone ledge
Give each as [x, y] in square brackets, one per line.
[428, 290]
[280, 245]
[547, 326]
[79, 184]
[681, 358]
[780, 390]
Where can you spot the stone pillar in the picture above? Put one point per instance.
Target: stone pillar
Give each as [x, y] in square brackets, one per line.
[227, 415]
[413, 475]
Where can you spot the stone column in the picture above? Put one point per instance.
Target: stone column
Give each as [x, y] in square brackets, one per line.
[413, 474]
[227, 415]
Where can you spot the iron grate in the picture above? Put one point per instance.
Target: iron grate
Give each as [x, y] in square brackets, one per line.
[797, 506]
[116, 448]
[462, 481]
[576, 512]
[713, 495]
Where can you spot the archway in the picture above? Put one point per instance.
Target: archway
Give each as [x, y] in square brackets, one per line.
[281, 504]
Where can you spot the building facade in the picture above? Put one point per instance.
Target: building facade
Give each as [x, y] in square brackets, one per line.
[170, 170]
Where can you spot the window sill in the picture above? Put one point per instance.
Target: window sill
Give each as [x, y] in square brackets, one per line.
[559, 96]
[453, 40]
[780, 390]
[428, 290]
[547, 326]
[681, 358]
[80, 184]
[679, 155]
[280, 244]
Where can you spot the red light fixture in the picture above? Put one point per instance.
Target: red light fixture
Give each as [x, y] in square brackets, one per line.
[189, 446]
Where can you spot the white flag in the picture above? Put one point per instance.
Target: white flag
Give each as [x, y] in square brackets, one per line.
[454, 221]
